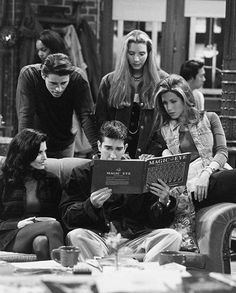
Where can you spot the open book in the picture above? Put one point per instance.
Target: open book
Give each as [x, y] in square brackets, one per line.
[132, 176]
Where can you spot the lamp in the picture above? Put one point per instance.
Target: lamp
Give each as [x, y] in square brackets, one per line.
[209, 50]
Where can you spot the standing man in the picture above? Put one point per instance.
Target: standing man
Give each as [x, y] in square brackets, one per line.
[139, 218]
[46, 97]
[194, 73]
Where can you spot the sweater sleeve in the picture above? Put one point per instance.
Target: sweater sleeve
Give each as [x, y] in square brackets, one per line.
[84, 108]
[220, 147]
[25, 106]
[75, 208]
[102, 112]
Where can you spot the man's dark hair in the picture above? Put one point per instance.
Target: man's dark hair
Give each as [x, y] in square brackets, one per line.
[59, 64]
[113, 129]
[190, 68]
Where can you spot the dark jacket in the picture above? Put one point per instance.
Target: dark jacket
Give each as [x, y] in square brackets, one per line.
[38, 109]
[12, 204]
[147, 116]
[131, 214]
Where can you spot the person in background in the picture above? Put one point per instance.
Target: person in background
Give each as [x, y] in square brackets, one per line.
[194, 73]
[28, 191]
[49, 42]
[46, 97]
[127, 93]
[186, 129]
[141, 219]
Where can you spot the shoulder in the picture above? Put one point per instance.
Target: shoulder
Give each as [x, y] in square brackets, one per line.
[108, 77]
[80, 171]
[78, 73]
[212, 116]
[31, 69]
[163, 74]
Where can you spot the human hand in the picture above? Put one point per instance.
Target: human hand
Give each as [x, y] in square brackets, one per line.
[201, 188]
[25, 222]
[160, 189]
[145, 157]
[98, 197]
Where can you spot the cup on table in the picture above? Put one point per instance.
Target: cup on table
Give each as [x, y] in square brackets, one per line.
[67, 256]
[172, 256]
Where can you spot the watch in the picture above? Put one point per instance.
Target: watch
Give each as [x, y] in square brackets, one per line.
[168, 203]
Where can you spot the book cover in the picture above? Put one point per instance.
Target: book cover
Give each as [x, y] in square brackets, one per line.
[132, 176]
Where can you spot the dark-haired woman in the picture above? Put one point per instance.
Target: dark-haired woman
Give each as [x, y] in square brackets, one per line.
[28, 191]
[49, 42]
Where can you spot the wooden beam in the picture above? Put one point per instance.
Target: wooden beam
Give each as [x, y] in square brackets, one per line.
[106, 37]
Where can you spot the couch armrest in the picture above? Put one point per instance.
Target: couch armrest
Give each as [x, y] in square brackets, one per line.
[214, 225]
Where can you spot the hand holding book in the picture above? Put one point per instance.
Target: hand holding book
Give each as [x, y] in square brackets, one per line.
[161, 190]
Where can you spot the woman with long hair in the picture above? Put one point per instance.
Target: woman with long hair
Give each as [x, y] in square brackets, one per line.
[186, 129]
[29, 195]
[49, 42]
[127, 93]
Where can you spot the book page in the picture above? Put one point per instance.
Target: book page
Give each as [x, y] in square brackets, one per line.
[172, 170]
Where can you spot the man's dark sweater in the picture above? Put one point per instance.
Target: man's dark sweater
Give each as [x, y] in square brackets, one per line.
[38, 109]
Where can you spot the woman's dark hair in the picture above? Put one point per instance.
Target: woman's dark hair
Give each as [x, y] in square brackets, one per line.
[53, 41]
[22, 150]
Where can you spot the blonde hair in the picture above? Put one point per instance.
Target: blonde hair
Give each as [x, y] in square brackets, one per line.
[176, 84]
[120, 92]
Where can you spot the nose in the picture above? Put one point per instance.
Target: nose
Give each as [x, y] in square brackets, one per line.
[136, 58]
[113, 155]
[58, 88]
[44, 156]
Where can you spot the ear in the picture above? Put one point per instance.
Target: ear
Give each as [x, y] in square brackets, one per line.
[43, 76]
[99, 145]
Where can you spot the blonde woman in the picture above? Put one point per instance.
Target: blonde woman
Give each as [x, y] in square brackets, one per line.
[127, 93]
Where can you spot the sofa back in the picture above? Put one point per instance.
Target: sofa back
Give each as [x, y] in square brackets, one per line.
[60, 167]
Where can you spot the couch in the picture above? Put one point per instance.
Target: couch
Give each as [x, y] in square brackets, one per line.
[214, 224]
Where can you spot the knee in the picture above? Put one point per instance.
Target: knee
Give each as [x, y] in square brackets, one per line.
[54, 227]
[74, 237]
[41, 247]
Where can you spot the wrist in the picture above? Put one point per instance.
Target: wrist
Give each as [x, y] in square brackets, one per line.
[166, 203]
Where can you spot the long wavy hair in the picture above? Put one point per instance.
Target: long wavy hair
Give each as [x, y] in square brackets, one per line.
[53, 41]
[176, 84]
[120, 92]
[22, 150]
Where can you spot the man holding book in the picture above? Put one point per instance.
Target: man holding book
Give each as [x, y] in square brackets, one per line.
[141, 219]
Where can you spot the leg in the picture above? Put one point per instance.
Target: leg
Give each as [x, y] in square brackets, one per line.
[41, 247]
[153, 243]
[23, 241]
[222, 188]
[89, 243]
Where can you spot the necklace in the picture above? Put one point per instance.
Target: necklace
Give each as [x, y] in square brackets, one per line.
[137, 78]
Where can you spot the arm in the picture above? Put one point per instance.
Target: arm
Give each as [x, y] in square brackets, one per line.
[76, 207]
[84, 108]
[219, 159]
[25, 106]
[164, 209]
[101, 112]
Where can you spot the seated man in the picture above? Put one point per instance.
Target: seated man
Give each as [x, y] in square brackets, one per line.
[140, 218]
[194, 73]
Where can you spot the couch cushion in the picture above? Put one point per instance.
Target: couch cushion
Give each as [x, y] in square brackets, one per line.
[63, 167]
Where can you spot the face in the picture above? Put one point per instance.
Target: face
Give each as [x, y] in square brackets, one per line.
[39, 162]
[199, 80]
[43, 51]
[112, 149]
[173, 105]
[56, 84]
[137, 55]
